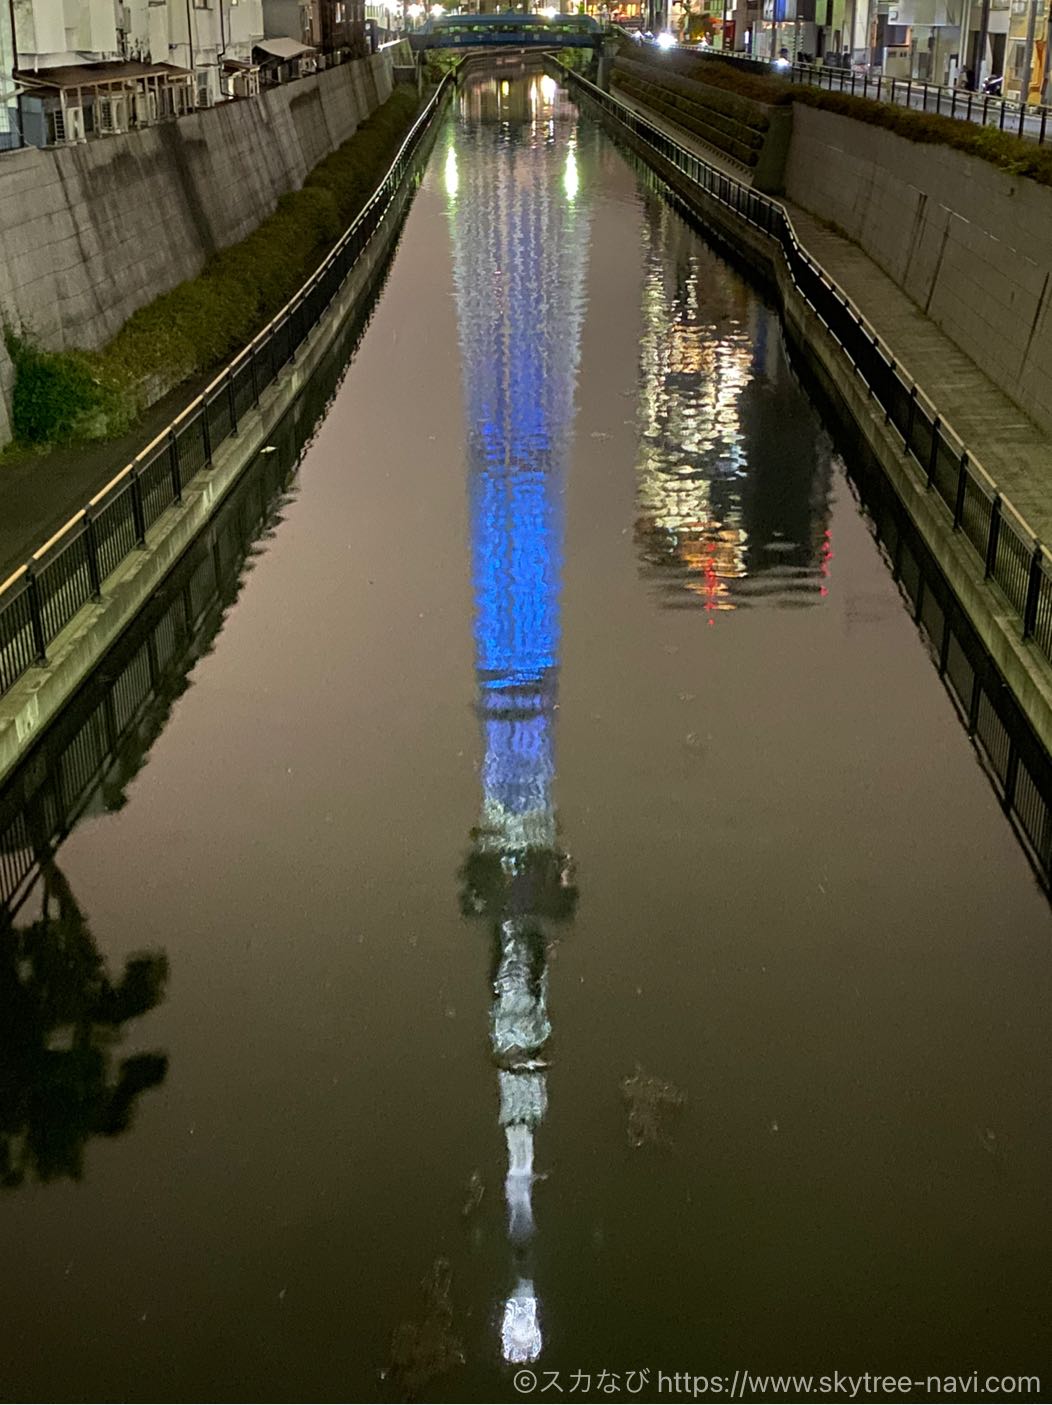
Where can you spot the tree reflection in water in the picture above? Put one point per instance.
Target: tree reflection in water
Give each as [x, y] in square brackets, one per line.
[61, 1019]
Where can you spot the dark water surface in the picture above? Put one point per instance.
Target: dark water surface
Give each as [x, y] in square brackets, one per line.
[581, 936]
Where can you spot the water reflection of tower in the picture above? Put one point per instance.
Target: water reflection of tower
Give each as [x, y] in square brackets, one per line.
[519, 242]
[729, 502]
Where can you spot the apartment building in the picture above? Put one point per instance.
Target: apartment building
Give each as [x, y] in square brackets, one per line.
[72, 69]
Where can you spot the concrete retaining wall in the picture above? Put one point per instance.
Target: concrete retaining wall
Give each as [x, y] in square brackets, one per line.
[90, 233]
[969, 243]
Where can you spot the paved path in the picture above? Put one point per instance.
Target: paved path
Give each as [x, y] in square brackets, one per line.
[1014, 451]
[39, 491]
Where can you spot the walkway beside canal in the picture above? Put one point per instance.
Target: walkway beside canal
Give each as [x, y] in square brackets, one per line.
[40, 490]
[1012, 449]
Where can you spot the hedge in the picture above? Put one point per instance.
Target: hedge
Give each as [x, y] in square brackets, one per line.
[69, 396]
[1010, 153]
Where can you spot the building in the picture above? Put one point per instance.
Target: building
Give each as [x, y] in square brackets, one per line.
[71, 69]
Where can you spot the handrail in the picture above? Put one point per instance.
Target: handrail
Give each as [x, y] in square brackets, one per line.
[1019, 563]
[41, 596]
[958, 103]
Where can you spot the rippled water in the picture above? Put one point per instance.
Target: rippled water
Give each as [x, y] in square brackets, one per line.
[562, 926]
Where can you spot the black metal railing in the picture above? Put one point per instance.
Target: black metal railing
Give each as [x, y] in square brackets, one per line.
[1005, 546]
[985, 109]
[1006, 114]
[68, 572]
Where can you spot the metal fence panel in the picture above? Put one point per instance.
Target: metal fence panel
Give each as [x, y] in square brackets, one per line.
[1012, 568]
[975, 516]
[155, 482]
[17, 646]
[64, 583]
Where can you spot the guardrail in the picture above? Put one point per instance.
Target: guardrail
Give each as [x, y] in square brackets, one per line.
[982, 108]
[1007, 115]
[1006, 548]
[68, 572]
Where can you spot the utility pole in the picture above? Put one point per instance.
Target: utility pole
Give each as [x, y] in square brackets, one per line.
[980, 48]
[962, 43]
[871, 25]
[1028, 59]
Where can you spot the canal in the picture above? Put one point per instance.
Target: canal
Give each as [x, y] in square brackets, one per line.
[562, 925]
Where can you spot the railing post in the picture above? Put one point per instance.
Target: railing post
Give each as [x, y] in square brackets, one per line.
[92, 547]
[173, 466]
[1011, 775]
[891, 382]
[231, 401]
[206, 435]
[993, 537]
[36, 617]
[255, 382]
[973, 705]
[962, 484]
[909, 418]
[138, 511]
[1033, 592]
[933, 453]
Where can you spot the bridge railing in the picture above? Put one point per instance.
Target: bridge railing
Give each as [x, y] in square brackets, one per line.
[69, 571]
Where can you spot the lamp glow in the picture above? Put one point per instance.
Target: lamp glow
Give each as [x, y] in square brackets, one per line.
[665, 40]
[571, 180]
[452, 177]
[548, 88]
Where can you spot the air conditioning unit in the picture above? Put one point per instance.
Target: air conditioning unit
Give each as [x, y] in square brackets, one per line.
[111, 114]
[145, 108]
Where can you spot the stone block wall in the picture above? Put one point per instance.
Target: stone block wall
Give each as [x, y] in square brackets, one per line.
[969, 243]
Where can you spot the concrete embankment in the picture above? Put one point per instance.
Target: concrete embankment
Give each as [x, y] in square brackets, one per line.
[1026, 673]
[91, 233]
[28, 707]
[966, 240]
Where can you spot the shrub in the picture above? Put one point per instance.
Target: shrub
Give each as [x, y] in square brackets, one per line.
[1010, 153]
[1002, 149]
[58, 395]
[67, 395]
